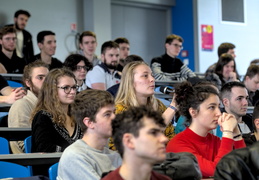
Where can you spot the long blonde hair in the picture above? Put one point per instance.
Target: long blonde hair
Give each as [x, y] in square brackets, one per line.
[126, 94]
[48, 99]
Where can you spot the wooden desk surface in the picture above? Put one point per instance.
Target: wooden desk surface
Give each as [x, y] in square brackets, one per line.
[30, 159]
[15, 134]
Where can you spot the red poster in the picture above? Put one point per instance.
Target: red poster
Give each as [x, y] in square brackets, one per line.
[207, 37]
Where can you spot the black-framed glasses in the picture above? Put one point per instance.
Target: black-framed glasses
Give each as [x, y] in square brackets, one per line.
[178, 46]
[67, 89]
[78, 68]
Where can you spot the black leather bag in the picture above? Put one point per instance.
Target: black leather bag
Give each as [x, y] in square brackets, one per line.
[180, 166]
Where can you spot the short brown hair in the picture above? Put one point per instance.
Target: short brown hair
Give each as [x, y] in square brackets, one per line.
[6, 30]
[169, 39]
[87, 104]
[86, 33]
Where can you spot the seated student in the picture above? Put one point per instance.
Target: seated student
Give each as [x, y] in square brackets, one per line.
[200, 106]
[10, 62]
[114, 89]
[124, 45]
[234, 97]
[47, 44]
[105, 75]
[9, 95]
[53, 129]
[225, 47]
[253, 136]
[251, 81]
[226, 69]
[88, 44]
[20, 112]
[139, 138]
[80, 66]
[136, 89]
[168, 67]
[89, 157]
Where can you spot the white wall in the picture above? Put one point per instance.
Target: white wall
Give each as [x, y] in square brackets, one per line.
[54, 15]
[245, 36]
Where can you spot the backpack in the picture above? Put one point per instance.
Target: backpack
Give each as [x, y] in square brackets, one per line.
[180, 166]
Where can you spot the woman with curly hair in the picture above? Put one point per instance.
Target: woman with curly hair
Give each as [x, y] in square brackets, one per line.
[53, 129]
[137, 88]
[200, 106]
[80, 66]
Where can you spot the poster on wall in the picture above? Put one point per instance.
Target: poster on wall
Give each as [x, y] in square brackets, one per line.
[207, 37]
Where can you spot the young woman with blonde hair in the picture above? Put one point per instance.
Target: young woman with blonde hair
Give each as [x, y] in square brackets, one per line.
[137, 88]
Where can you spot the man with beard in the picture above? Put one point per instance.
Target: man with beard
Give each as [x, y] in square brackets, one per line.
[24, 46]
[105, 75]
[234, 97]
[10, 62]
[20, 112]
[47, 44]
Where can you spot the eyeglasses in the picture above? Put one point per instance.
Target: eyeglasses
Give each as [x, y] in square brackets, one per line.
[178, 46]
[78, 68]
[67, 89]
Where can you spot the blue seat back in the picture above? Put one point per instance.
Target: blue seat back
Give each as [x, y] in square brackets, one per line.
[14, 84]
[53, 171]
[27, 148]
[27, 144]
[13, 170]
[4, 146]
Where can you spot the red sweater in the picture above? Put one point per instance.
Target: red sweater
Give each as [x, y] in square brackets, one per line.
[208, 150]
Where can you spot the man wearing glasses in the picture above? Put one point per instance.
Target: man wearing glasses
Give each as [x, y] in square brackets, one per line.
[168, 67]
[9, 61]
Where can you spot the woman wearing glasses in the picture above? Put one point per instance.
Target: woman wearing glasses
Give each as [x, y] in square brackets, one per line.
[53, 129]
[80, 66]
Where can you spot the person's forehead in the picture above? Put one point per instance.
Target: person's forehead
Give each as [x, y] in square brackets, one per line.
[49, 38]
[112, 50]
[176, 41]
[149, 123]
[238, 91]
[124, 45]
[109, 107]
[9, 35]
[88, 38]
[142, 68]
[255, 77]
[23, 16]
[39, 70]
[231, 51]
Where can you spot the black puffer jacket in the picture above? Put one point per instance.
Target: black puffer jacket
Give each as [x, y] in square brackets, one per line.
[240, 164]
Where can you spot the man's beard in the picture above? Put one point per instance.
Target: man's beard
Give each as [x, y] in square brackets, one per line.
[35, 90]
[17, 27]
[111, 66]
[7, 49]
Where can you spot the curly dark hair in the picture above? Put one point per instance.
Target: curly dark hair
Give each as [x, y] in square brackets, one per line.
[188, 96]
